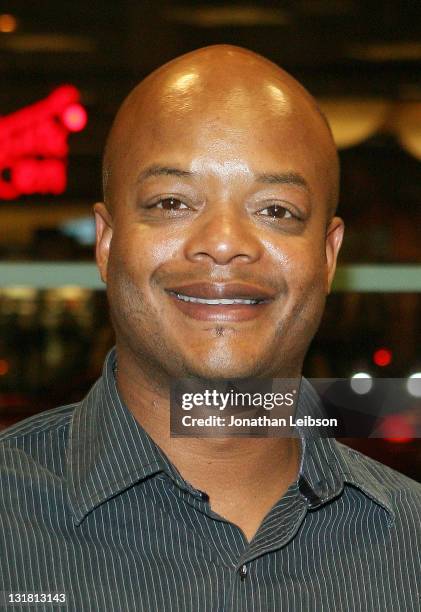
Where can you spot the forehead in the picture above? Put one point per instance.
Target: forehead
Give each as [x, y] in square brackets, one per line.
[195, 125]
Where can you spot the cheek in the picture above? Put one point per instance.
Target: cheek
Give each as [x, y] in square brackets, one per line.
[301, 262]
[305, 297]
[138, 251]
[304, 275]
[306, 272]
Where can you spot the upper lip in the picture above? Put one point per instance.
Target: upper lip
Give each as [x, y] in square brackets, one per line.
[224, 291]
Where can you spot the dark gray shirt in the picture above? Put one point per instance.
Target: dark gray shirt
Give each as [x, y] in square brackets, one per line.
[91, 508]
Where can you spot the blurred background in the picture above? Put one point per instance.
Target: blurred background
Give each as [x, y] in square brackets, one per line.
[65, 66]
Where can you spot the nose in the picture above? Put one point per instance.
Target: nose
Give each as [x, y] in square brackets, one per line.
[224, 235]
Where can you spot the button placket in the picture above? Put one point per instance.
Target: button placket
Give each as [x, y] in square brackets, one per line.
[243, 572]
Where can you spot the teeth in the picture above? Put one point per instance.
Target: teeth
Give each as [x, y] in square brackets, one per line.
[187, 298]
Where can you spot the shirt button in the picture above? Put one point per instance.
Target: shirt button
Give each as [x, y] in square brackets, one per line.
[243, 572]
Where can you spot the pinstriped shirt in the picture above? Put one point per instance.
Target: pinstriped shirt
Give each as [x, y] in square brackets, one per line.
[92, 508]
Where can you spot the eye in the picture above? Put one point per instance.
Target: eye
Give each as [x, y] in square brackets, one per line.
[278, 212]
[169, 204]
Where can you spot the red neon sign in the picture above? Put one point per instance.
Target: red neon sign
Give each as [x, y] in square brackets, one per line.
[33, 144]
[74, 117]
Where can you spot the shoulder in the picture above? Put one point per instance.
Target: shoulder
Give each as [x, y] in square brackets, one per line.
[48, 420]
[387, 476]
[39, 440]
[402, 494]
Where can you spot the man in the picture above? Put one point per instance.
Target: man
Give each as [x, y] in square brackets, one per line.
[221, 182]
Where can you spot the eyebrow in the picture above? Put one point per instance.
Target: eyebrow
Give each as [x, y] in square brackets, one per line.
[284, 178]
[163, 171]
[277, 178]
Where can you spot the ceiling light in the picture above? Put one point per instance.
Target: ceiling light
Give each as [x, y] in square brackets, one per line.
[8, 23]
[47, 43]
[386, 52]
[234, 15]
[407, 127]
[354, 120]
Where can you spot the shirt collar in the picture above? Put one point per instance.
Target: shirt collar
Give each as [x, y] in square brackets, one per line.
[109, 451]
[327, 465]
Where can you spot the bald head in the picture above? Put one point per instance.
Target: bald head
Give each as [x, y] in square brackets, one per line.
[219, 167]
[205, 85]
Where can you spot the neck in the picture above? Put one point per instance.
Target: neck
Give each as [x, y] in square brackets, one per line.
[234, 472]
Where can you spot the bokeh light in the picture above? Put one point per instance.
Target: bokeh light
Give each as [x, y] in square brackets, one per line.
[397, 428]
[74, 117]
[8, 23]
[413, 384]
[382, 357]
[361, 383]
[4, 367]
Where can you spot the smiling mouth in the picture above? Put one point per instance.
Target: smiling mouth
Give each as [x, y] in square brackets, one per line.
[218, 301]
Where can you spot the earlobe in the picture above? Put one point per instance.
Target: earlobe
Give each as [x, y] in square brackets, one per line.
[104, 232]
[334, 237]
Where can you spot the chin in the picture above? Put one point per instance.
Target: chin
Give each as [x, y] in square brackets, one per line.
[221, 370]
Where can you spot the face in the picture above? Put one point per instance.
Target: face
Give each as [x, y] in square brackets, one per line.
[219, 201]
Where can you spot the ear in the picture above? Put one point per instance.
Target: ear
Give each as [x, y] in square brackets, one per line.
[334, 236]
[104, 233]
